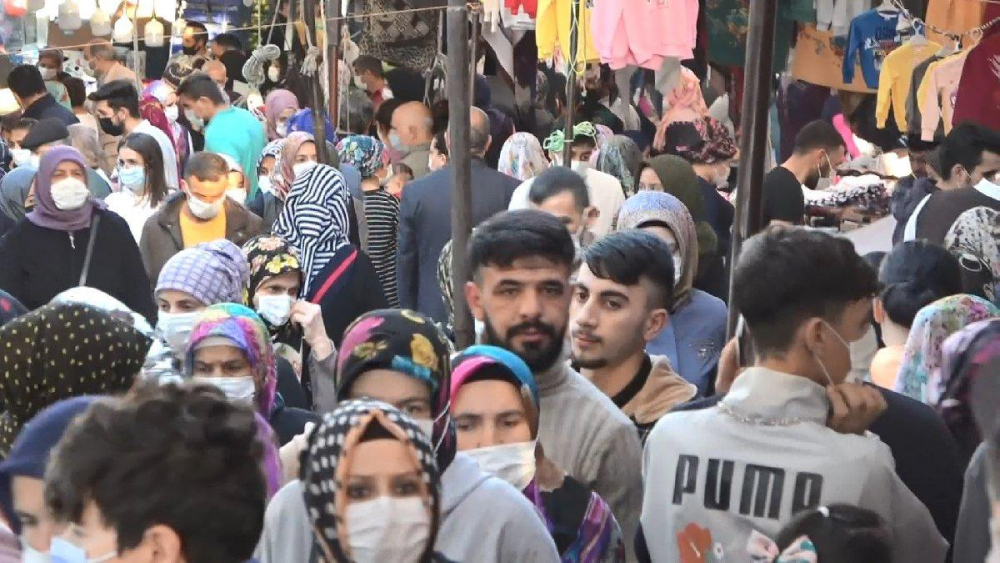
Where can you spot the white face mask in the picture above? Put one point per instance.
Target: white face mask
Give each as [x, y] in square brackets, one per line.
[359, 83]
[203, 210]
[281, 129]
[194, 120]
[300, 168]
[69, 194]
[32, 555]
[274, 74]
[275, 309]
[580, 167]
[514, 463]
[35, 161]
[172, 113]
[22, 157]
[239, 390]
[239, 195]
[48, 73]
[175, 328]
[264, 183]
[387, 529]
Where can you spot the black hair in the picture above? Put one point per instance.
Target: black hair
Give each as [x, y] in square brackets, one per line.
[228, 41]
[841, 533]
[512, 235]
[557, 180]
[965, 146]
[818, 134]
[201, 35]
[178, 456]
[625, 257]
[201, 85]
[356, 112]
[152, 156]
[206, 166]
[916, 274]
[14, 121]
[785, 276]
[369, 64]
[383, 116]
[440, 144]
[76, 89]
[119, 94]
[26, 81]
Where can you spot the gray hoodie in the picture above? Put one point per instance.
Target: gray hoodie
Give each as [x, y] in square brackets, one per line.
[483, 520]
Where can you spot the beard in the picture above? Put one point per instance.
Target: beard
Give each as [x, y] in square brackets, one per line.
[539, 356]
[812, 180]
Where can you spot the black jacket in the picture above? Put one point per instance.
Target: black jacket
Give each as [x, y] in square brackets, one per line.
[47, 106]
[37, 263]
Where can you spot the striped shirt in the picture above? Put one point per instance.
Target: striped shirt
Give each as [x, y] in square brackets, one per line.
[382, 216]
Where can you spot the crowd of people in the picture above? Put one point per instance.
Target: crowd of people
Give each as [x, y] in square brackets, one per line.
[215, 348]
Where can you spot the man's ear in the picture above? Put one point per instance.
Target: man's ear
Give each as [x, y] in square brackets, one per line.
[878, 310]
[591, 215]
[163, 543]
[656, 321]
[184, 186]
[812, 334]
[474, 299]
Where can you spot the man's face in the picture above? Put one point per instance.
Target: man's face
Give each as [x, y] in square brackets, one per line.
[200, 106]
[104, 110]
[217, 51]
[833, 353]
[611, 322]
[364, 77]
[218, 74]
[582, 152]
[190, 39]
[208, 191]
[17, 137]
[918, 163]
[563, 206]
[987, 168]
[50, 63]
[525, 308]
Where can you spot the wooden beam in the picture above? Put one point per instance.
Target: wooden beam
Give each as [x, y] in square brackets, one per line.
[459, 108]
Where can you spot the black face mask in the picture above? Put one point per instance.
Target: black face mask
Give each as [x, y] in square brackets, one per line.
[110, 127]
[190, 51]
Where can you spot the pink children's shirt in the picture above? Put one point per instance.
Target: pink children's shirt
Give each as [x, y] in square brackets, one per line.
[644, 32]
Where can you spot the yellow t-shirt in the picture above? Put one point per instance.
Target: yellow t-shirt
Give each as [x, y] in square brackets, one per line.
[194, 232]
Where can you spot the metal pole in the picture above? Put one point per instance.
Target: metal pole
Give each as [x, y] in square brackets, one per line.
[333, 55]
[316, 99]
[574, 41]
[459, 108]
[757, 85]
[475, 17]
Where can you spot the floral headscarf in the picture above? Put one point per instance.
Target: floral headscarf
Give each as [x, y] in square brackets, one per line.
[974, 238]
[269, 256]
[602, 136]
[60, 351]
[621, 158]
[407, 342]
[365, 153]
[932, 325]
[661, 207]
[247, 332]
[703, 141]
[327, 467]
[965, 356]
[522, 157]
[283, 176]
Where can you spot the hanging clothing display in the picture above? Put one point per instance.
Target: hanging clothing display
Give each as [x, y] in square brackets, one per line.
[895, 78]
[914, 118]
[836, 16]
[728, 23]
[957, 16]
[978, 96]
[552, 30]
[643, 33]
[819, 60]
[872, 36]
[402, 38]
[936, 95]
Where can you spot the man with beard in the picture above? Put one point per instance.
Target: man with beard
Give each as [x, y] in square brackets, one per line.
[622, 296]
[521, 263]
[819, 149]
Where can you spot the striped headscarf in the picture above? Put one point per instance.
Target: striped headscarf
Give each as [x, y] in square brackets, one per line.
[283, 175]
[522, 157]
[365, 153]
[247, 332]
[315, 219]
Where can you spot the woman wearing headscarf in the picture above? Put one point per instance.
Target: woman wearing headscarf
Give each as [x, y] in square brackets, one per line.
[40, 367]
[401, 358]
[974, 239]
[71, 239]
[621, 158]
[368, 155]
[279, 106]
[496, 410]
[266, 203]
[676, 176]
[396, 515]
[230, 348]
[696, 333]
[166, 94]
[336, 275]
[522, 157]
[15, 188]
[932, 326]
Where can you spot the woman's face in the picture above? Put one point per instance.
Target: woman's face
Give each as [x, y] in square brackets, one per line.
[402, 391]
[307, 153]
[173, 301]
[37, 527]
[649, 181]
[284, 116]
[282, 284]
[489, 413]
[128, 158]
[383, 468]
[266, 167]
[221, 361]
[236, 180]
[68, 169]
[666, 234]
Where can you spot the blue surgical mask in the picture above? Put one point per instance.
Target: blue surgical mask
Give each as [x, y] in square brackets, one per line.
[62, 551]
[132, 177]
[396, 142]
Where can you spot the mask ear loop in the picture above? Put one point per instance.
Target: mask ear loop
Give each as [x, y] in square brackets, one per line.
[446, 414]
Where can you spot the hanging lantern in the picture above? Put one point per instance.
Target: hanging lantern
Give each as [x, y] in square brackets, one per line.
[52, 8]
[35, 5]
[69, 16]
[42, 27]
[87, 8]
[109, 6]
[144, 9]
[123, 30]
[154, 33]
[100, 23]
[166, 9]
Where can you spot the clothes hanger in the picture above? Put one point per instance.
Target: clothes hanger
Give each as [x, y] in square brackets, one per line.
[919, 37]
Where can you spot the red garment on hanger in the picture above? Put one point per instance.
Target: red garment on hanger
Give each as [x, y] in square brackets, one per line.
[530, 6]
[977, 99]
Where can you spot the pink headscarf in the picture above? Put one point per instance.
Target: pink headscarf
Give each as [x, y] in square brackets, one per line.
[277, 101]
[686, 103]
[45, 213]
[282, 176]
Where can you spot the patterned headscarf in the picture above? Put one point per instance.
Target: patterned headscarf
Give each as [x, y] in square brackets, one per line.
[283, 175]
[314, 219]
[664, 208]
[522, 157]
[964, 355]
[327, 468]
[10, 308]
[365, 153]
[96, 298]
[14, 190]
[273, 150]
[621, 158]
[679, 180]
[276, 102]
[270, 256]
[602, 136]
[211, 272]
[46, 214]
[473, 359]
[974, 238]
[932, 325]
[247, 332]
[409, 343]
[62, 351]
[151, 109]
[703, 141]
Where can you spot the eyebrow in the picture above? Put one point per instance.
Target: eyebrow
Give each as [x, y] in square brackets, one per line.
[612, 293]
